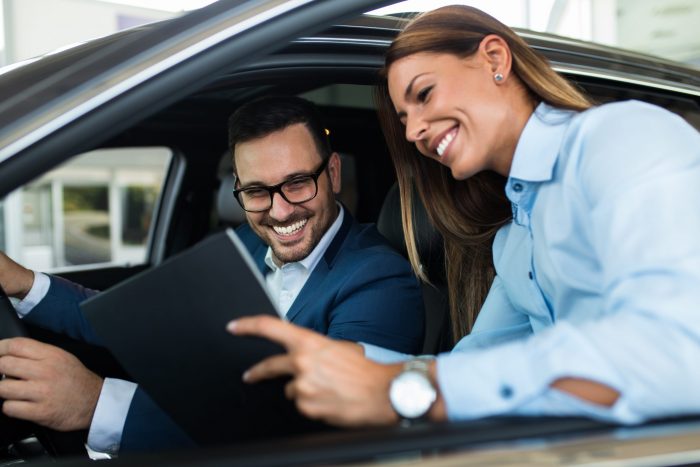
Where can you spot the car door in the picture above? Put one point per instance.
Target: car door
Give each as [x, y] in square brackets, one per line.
[71, 102]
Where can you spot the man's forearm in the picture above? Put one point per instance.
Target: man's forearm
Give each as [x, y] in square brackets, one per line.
[15, 279]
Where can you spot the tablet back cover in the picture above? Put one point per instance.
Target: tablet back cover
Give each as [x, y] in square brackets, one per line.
[166, 326]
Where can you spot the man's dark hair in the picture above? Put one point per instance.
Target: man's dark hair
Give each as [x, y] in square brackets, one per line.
[265, 115]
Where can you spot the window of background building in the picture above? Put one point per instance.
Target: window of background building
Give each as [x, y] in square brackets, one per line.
[97, 208]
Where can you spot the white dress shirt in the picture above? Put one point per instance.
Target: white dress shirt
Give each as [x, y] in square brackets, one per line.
[286, 281]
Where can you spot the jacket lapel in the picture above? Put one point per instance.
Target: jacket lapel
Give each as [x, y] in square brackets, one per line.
[320, 272]
[259, 258]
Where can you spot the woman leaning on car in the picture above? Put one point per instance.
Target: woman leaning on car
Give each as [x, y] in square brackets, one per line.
[570, 235]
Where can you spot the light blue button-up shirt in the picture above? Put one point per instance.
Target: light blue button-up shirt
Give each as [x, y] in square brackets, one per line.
[598, 274]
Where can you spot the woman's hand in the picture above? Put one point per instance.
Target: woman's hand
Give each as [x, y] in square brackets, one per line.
[331, 380]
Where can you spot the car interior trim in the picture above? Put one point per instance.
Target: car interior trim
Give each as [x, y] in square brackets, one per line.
[628, 79]
[164, 209]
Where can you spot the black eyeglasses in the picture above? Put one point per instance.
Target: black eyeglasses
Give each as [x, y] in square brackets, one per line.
[297, 190]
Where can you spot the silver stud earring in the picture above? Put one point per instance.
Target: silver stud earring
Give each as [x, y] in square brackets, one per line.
[498, 77]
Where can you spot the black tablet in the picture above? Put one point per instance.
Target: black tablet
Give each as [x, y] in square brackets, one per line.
[166, 326]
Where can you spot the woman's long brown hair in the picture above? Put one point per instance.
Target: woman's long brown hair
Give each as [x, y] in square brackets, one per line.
[467, 213]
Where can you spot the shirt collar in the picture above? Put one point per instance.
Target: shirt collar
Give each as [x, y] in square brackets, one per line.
[309, 263]
[538, 147]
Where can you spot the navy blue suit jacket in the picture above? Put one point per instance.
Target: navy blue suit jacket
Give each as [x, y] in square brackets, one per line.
[361, 290]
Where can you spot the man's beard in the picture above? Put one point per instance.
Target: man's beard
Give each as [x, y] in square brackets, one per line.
[311, 239]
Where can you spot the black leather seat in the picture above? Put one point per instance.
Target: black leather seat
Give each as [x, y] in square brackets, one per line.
[229, 212]
[430, 249]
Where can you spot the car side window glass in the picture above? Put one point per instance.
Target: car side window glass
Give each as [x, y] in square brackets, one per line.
[97, 208]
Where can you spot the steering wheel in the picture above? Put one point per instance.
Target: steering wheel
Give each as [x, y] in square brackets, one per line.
[10, 324]
[11, 430]
[14, 432]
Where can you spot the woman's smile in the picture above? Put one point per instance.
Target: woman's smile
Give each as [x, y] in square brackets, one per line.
[444, 141]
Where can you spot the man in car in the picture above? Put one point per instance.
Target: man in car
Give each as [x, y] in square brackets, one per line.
[325, 271]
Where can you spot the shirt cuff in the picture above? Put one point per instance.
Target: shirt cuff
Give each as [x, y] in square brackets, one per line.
[486, 382]
[515, 378]
[108, 421]
[39, 289]
[382, 355]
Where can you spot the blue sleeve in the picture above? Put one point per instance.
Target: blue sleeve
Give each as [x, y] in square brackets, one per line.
[380, 303]
[60, 312]
[149, 428]
[497, 323]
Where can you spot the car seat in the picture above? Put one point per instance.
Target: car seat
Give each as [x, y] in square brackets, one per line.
[431, 252]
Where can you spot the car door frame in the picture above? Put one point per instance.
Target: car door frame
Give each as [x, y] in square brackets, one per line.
[110, 88]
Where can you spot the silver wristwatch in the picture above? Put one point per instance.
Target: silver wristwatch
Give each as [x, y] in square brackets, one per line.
[412, 393]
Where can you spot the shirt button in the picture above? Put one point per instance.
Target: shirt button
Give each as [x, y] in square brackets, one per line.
[517, 187]
[506, 391]
[529, 274]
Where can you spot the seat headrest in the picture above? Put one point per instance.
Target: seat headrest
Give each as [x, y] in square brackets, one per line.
[428, 239]
[228, 209]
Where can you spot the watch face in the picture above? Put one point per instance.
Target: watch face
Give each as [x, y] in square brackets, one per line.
[411, 394]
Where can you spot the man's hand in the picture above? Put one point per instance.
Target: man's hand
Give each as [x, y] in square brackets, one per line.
[46, 385]
[15, 279]
[332, 380]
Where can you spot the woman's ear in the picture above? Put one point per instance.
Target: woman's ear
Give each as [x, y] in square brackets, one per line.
[497, 54]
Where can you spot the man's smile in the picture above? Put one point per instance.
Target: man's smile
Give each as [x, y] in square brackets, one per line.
[290, 229]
